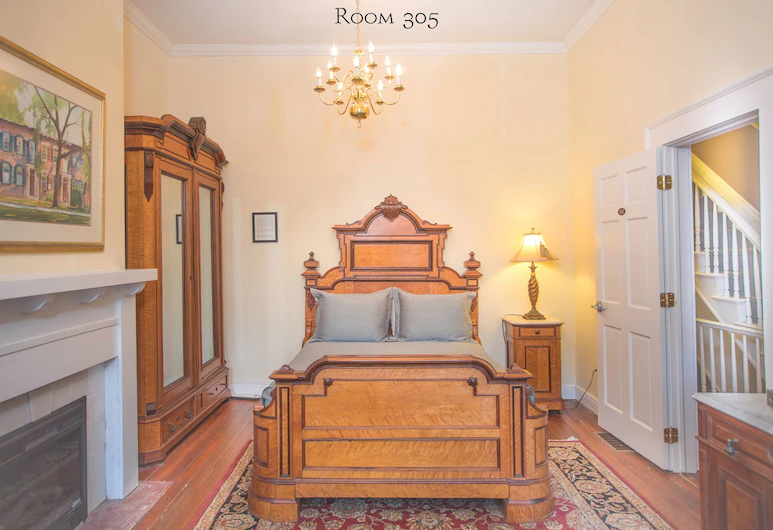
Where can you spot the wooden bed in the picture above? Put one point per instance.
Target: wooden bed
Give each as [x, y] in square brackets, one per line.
[398, 426]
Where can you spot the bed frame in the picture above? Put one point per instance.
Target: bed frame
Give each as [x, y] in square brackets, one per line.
[439, 426]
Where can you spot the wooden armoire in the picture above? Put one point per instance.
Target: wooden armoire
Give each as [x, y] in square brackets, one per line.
[174, 195]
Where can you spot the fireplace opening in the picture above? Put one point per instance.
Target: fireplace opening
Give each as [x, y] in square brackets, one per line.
[43, 472]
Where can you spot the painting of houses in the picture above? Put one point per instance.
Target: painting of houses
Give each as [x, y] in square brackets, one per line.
[45, 155]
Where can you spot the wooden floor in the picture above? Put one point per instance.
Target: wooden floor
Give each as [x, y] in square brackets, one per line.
[201, 460]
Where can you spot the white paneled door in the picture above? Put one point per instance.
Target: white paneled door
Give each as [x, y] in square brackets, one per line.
[630, 358]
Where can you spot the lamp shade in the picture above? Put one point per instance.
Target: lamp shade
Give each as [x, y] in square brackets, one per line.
[533, 249]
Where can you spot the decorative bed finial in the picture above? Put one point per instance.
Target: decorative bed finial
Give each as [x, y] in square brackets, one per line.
[311, 273]
[391, 207]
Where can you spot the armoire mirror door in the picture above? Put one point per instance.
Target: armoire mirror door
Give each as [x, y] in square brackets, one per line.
[208, 259]
[175, 367]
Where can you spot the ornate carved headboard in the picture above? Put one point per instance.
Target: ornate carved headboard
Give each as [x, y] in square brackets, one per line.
[390, 247]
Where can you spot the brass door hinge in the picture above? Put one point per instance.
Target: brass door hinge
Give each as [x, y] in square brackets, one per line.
[665, 182]
[667, 300]
[670, 435]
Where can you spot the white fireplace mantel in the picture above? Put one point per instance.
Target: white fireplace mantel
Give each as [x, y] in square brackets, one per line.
[27, 285]
[53, 328]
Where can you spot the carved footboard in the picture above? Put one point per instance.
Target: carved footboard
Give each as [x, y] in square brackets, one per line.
[382, 427]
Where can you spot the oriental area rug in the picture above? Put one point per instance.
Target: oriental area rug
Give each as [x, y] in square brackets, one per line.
[589, 496]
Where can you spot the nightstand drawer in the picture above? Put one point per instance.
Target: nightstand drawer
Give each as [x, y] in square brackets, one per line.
[537, 332]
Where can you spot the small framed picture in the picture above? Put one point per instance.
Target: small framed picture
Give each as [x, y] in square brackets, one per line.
[264, 227]
[179, 225]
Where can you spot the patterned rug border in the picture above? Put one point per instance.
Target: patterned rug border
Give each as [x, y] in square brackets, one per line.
[207, 504]
[207, 514]
[617, 476]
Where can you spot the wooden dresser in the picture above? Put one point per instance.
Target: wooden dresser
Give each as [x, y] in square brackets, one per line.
[735, 433]
[174, 196]
[535, 346]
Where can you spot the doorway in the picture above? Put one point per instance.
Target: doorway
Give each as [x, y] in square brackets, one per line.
[729, 348]
[683, 243]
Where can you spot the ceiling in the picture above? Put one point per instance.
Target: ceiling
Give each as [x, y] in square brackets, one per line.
[180, 25]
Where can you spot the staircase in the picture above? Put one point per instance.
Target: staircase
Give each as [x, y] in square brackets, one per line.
[729, 317]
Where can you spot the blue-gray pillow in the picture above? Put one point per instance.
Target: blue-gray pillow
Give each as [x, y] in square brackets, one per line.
[352, 317]
[441, 317]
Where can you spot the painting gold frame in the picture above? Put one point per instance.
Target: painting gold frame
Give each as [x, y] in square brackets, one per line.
[62, 246]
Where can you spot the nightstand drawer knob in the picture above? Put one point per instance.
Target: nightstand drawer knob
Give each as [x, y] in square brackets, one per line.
[536, 332]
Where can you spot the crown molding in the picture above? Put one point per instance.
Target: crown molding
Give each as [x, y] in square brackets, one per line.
[586, 22]
[323, 50]
[154, 33]
[145, 25]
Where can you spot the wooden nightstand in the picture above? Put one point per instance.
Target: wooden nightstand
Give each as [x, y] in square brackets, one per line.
[535, 346]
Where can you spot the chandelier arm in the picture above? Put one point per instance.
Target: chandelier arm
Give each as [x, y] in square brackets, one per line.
[370, 102]
[325, 102]
[348, 101]
[394, 102]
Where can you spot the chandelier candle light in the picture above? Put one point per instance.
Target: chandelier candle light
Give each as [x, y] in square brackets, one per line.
[533, 249]
[355, 91]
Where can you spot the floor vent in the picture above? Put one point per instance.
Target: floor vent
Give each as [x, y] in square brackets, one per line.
[613, 442]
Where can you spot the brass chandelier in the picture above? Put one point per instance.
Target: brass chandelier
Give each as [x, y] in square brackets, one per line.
[355, 91]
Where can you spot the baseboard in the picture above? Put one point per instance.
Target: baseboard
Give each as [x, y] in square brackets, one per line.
[248, 389]
[574, 392]
[590, 401]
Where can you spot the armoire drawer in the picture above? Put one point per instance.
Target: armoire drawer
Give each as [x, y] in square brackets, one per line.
[737, 439]
[214, 390]
[177, 419]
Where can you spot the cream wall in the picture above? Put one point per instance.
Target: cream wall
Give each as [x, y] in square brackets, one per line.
[84, 39]
[490, 163]
[642, 61]
[146, 74]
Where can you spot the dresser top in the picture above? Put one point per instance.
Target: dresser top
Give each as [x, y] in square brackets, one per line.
[520, 321]
[751, 409]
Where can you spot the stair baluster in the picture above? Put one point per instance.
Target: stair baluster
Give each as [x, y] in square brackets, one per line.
[697, 213]
[714, 238]
[746, 366]
[746, 280]
[757, 285]
[703, 357]
[706, 241]
[725, 255]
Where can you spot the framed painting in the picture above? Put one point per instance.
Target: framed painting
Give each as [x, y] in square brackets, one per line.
[264, 227]
[51, 157]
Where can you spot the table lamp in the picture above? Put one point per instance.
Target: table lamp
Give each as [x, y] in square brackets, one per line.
[533, 249]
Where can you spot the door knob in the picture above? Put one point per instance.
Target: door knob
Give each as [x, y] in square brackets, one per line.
[598, 306]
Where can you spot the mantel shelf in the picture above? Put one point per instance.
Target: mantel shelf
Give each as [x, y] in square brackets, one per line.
[28, 285]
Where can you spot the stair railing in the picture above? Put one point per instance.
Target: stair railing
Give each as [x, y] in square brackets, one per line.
[731, 245]
[747, 372]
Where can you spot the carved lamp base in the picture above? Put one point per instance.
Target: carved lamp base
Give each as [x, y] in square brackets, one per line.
[533, 296]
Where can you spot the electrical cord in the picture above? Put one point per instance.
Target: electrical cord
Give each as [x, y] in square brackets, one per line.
[586, 390]
[504, 332]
